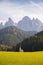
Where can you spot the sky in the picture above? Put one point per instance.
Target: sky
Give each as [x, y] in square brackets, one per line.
[17, 9]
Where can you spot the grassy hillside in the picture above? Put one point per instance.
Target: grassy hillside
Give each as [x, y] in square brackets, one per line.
[11, 58]
[11, 36]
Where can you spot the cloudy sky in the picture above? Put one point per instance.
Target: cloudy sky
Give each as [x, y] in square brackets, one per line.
[17, 9]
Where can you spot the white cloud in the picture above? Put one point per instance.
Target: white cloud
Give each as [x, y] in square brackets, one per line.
[17, 11]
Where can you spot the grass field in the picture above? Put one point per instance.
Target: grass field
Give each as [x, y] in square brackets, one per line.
[21, 58]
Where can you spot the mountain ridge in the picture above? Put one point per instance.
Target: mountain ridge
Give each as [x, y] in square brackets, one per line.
[11, 35]
[26, 24]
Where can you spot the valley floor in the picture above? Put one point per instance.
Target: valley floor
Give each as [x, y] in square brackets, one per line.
[21, 58]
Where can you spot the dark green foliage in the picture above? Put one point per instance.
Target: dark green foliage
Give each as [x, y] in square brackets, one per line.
[17, 47]
[34, 43]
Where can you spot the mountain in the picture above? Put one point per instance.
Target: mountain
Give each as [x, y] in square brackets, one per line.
[1, 25]
[33, 43]
[31, 33]
[41, 27]
[27, 24]
[11, 36]
[10, 22]
[39, 34]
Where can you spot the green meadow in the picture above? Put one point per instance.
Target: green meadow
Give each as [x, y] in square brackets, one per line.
[21, 58]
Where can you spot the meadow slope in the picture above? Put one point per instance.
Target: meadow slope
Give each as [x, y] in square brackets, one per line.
[21, 58]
